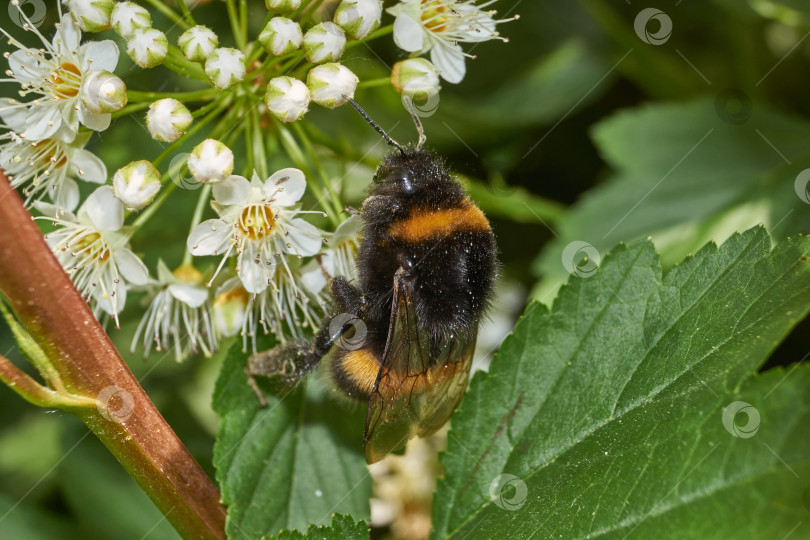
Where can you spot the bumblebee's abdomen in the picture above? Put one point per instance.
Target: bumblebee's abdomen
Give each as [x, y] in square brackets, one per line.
[355, 372]
[430, 224]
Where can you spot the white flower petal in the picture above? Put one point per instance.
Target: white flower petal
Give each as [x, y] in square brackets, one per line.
[131, 267]
[254, 271]
[88, 166]
[99, 55]
[210, 237]
[68, 37]
[286, 186]
[450, 61]
[27, 66]
[14, 118]
[233, 191]
[191, 295]
[66, 194]
[96, 122]
[304, 238]
[42, 122]
[104, 210]
[408, 33]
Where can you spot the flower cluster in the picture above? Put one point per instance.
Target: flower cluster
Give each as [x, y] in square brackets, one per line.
[270, 263]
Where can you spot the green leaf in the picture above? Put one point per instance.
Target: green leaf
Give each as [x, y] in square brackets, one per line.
[342, 528]
[295, 462]
[606, 412]
[698, 178]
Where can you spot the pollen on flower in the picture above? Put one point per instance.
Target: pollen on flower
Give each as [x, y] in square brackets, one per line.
[66, 81]
[256, 221]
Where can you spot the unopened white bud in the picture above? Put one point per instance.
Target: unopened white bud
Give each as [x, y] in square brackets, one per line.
[167, 120]
[416, 78]
[324, 42]
[359, 18]
[91, 15]
[287, 98]
[198, 43]
[126, 17]
[330, 84]
[102, 92]
[136, 184]
[148, 47]
[225, 67]
[283, 5]
[281, 36]
[211, 161]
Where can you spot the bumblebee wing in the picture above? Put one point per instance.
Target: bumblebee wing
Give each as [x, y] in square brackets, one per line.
[415, 393]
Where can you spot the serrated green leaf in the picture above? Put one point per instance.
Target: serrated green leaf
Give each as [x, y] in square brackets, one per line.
[606, 412]
[343, 527]
[699, 178]
[294, 463]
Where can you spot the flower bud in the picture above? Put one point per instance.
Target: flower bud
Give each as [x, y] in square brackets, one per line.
[416, 78]
[91, 15]
[287, 98]
[126, 17]
[102, 92]
[283, 5]
[148, 47]
[225, 67]
[359, 18]
[198, 43]
[211, 161]
[229, 311]
[167, 120]
[136, 184]
[281, 36]
[324, 42]
[329, 83]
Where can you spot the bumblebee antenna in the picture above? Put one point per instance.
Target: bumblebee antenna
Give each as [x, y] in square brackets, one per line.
[375, 125]
[408, 101]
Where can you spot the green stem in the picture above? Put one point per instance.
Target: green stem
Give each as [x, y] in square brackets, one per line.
[170, 13]
[260, 155]
[196, 219]
[336, 204]
[379, 32]
[197, 126]
[370, 83]
[144, 216]
[243, 22]
[186, 13]
[196, 95]
[132, 108]
[233, 17]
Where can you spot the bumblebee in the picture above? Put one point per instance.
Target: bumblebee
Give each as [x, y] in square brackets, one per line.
[402, 337]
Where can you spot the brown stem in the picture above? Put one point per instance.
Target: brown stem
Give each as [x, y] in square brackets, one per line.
[126, 421]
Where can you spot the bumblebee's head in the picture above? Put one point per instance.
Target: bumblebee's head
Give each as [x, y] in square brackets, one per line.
[409, 174]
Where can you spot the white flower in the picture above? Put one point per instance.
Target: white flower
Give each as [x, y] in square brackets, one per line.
[211, 161]
[324, 42]
[359, 18]
[102, 92]
[287, 98]
[283, 308]
[48, 165]
[257, 223]
[230, 304]
[416, 78]
[91, 15]
[283, 5]
[148, 47]
[439, 26]
[179, 316]
[338, 259]
[281, 36]
[127, 17]
[167, 119]
[54, 76]
[92, 248]
[136, 184]
[198, 43]
[225, 67]
[330, 84]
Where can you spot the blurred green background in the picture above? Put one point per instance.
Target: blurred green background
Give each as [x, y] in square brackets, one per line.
[578, 129]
